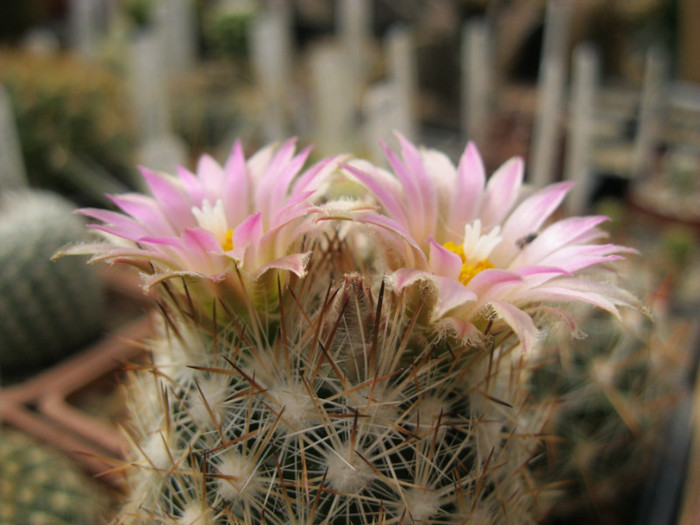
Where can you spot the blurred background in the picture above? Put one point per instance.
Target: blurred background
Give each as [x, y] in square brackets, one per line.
[602, 87]
[603, 92]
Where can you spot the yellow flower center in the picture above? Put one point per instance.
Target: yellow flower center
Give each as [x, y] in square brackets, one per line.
[227, 243]
[469, 270]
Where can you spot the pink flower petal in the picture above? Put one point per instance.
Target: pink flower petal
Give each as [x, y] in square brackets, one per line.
[565, 292]
[198, 248]
[534, 276]
[175, 242]
[538, 270]
[212, 176]
[192, 185]
[556, 236]
[521, 323]
[282, 156]
[501, 192]
[468, 192]
[405, 277]
[527, 219]
[129, 234]
[236, 190]
[273, 188]
[294, 207]
[105, 252]
[443, 175]
[494, 284]
[267, 186]
[388, 199]
[145, 210]
[295, 263]
[316, 175]
[258, 162]
[128, 227]
[175, 205]
[444, 262]
[284, 181]
[451, 294]
[249, 232]
[292, 222]
[577, 257]
[199, 239]
[426, 214]
[484, 281]
[393, 238]
[413, 200]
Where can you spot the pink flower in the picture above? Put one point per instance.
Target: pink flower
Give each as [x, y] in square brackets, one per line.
[485, 248]
[246, 217]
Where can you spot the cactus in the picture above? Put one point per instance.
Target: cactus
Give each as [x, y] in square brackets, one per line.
[47, 309]
[346, 361]
[40, 486]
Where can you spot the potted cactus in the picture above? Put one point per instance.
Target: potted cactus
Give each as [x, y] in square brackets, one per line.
[361, 359]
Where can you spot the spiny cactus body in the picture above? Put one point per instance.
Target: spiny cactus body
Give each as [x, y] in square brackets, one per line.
[361, 359]
[337, 412]
[47, 308]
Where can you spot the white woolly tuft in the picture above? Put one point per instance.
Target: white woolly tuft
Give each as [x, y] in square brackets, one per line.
[346, 471]
[422, 504]
[209, 401]
[158, 452]
[195, 515]
[429, 412]
[238, 481]
[297, 407]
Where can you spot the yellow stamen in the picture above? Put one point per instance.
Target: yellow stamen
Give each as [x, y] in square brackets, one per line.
[468, 270]
[227, 245]
[454, 248]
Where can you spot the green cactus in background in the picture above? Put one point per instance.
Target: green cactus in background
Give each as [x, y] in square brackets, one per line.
[74, 129]
[40, 486]
[47, 308]
[611, 394]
